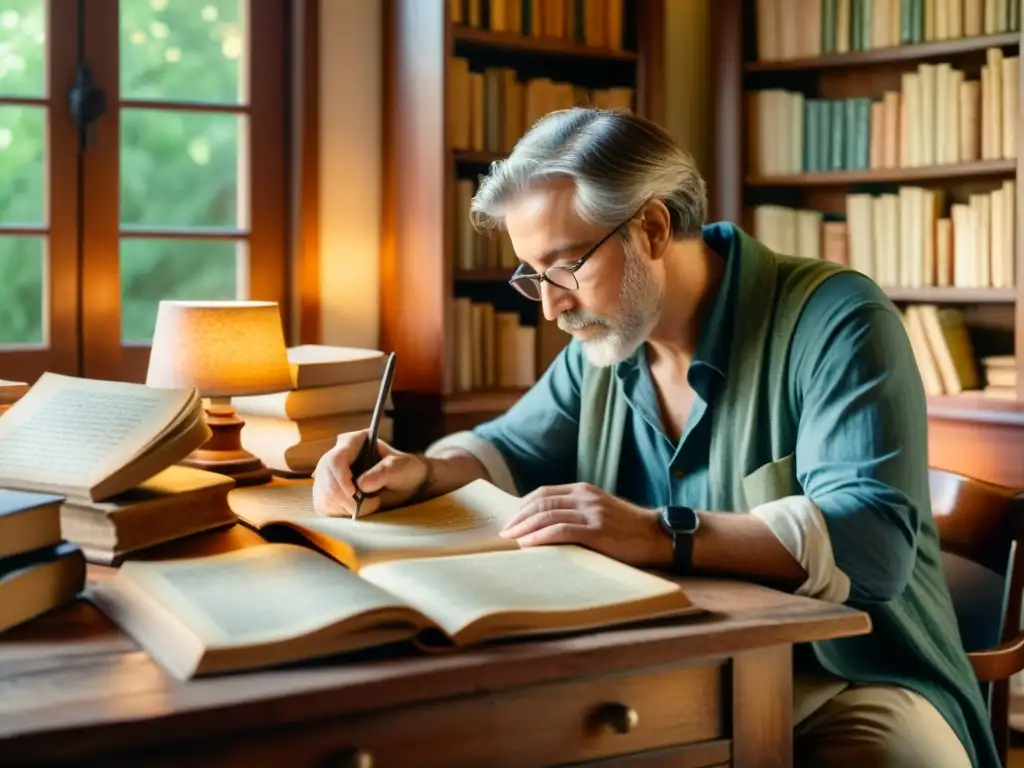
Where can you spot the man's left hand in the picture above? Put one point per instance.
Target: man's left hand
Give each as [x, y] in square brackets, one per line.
[580, 513]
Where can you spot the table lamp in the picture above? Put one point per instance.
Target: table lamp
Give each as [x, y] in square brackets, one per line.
[223, 349]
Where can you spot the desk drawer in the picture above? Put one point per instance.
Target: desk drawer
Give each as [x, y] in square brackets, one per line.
[567, 722]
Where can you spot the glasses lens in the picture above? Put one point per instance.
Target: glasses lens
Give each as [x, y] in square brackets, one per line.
[529, 288]
[563, 278]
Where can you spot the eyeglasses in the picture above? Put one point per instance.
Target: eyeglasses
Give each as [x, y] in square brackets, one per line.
[527, 282]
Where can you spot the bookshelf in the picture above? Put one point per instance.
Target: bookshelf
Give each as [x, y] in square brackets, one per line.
[831, 138]
[463, 80]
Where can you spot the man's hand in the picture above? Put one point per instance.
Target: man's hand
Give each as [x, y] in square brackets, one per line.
[579, 513]
[395, 478]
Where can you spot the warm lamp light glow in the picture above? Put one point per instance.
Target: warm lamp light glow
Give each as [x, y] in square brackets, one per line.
[222, 348]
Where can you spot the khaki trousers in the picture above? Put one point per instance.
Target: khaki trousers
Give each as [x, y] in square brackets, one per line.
[838, 725]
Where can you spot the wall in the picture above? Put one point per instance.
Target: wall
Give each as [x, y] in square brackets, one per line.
[687, 77]
[350, 171]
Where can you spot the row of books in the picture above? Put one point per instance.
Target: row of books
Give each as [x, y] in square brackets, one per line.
[488, 111]
[492, 348]
[478, 250]
[946, 358]
[904, 239]
[334, 390]
[794, 29]
[597, 23]
[938, 117]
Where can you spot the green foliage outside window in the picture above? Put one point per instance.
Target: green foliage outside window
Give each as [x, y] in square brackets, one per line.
[178, 169]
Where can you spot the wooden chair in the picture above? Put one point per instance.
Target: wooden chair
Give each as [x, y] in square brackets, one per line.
[980, 526]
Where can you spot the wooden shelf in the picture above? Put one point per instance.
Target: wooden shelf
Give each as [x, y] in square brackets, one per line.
[546, 47]
[482, 401]
[483, 275]
[976, 407]
[937, 295]
[977, 170]
[908, 53]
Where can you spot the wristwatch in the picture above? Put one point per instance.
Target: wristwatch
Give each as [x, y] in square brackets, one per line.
[680, 523]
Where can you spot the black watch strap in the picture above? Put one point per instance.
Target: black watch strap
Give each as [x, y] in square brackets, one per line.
[680, 523]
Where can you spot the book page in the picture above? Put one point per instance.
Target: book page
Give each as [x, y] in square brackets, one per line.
[70, 432]
[527, 591]
[258, 595]
[466, 520]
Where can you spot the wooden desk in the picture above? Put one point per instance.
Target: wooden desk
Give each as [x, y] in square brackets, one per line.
[701, 692]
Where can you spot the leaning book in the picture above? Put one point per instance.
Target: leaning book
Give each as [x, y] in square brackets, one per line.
[280, 602]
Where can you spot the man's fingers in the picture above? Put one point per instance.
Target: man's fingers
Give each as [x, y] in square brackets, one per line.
[376, 477]
[549, 490]
[559, 533]
[531, 507]
[542, 519]
[328, 499]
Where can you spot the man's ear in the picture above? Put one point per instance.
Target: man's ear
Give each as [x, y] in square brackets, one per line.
[656, 223]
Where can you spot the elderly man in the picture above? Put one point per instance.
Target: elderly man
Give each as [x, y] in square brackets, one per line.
[709, 376]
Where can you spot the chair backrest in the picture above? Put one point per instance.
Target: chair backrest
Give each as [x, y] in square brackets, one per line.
[980, 525]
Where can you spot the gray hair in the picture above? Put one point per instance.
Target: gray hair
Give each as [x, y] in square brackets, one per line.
[618, 161]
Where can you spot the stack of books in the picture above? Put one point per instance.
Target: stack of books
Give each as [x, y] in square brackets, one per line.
[334, 390]
[10, 393]
[110, 450]
[1000, 376]
[39, 571]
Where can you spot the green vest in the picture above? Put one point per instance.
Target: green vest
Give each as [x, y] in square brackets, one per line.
[914, 642]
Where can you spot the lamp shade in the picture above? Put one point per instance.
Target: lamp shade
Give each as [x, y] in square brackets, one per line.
[222, 348]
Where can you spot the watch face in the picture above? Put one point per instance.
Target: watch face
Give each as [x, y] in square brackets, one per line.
[681, 519]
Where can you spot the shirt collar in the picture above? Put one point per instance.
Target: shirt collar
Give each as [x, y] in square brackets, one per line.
[715, 337]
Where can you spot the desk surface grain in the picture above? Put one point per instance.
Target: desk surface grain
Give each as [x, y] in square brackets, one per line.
[71, 681]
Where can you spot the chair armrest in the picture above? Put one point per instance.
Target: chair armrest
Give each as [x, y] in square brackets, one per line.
[999, 663]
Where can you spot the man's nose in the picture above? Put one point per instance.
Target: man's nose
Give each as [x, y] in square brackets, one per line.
[555, 300]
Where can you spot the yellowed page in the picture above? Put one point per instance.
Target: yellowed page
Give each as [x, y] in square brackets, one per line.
[258, 595]
[69, 434]
[541, 589]
[466, 520]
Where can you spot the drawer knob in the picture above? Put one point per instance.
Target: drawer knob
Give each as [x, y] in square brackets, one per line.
[620, 718]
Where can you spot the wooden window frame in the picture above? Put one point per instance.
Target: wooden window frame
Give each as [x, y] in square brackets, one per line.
[105, 355]
[61, 351]
[83, 227]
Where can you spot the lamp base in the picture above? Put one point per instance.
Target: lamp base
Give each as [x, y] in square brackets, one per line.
[223, 452]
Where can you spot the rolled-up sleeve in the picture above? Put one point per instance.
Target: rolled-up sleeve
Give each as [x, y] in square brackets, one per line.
[861, 456]
[534, 442]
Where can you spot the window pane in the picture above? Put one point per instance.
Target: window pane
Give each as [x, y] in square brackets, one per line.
[168, 268]
[179, 168]
[22, 48]
[184, 50]
[22, 164]
[22, 290]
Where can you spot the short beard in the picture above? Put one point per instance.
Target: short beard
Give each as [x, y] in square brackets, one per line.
[638, 309]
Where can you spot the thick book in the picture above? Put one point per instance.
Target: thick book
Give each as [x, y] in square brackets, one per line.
[33, 583]
[174, 503]
[320, 365]
[440, 584]
[91, 439]
[28, 521]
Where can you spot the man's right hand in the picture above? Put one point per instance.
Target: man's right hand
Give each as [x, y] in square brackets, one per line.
[396, 477]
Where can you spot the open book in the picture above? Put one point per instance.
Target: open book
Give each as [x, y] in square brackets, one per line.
[464, 521]
[91, 439]
[278, 603]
